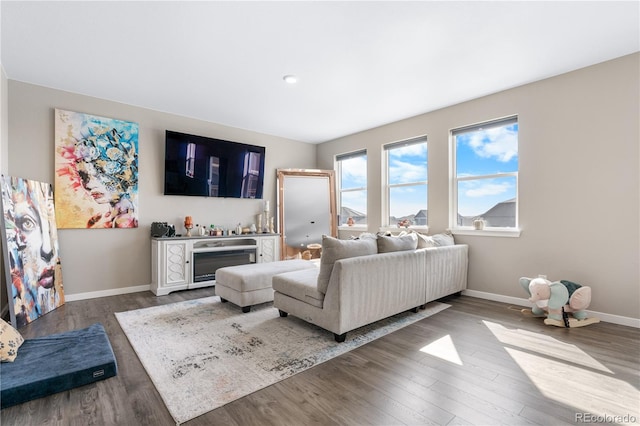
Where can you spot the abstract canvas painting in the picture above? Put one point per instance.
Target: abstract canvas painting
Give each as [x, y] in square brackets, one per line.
[96, 163]
[30, 247]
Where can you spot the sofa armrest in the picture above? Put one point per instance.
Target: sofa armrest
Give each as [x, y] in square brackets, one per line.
[446, 270]
[365, 289]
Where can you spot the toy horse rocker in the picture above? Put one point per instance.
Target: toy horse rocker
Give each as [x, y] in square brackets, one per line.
[555, 300]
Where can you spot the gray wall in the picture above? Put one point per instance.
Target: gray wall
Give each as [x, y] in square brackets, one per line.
[103, 260]
[578, 183]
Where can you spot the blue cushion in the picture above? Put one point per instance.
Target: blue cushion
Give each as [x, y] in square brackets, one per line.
[55, 363]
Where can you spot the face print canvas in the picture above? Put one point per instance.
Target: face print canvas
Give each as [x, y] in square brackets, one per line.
[30, 248]
[96, 162]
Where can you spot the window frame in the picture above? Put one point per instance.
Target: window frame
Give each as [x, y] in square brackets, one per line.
[338, 159]
[495, 231]
[386, 193]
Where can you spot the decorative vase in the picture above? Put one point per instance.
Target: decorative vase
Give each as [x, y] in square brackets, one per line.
[478, 224]
[188, 225]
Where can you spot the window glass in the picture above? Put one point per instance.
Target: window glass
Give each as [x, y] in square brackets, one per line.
[352, 176]
[486, 174]
[407, 183]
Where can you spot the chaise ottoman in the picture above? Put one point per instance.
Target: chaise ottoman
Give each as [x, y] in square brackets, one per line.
[56, 363]
[248, 285]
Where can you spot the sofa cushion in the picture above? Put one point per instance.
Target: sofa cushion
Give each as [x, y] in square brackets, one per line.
[334, 249]
[257, 276]
[401, 243]
[301, 285]
[10, 341]
[424, 241]
[445, 239]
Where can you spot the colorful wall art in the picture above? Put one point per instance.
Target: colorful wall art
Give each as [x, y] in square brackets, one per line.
[96, 163]
[30, 248]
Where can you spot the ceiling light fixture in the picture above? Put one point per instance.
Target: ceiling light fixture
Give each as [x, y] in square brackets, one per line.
[290, 78]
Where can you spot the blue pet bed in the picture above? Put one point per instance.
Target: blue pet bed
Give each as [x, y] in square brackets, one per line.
[55, 363]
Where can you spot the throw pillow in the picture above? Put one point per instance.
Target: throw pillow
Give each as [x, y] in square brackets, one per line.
[424, 241]
[362, 236]
[401, 243]
[445, 239]
[10, 341]
[334, 249]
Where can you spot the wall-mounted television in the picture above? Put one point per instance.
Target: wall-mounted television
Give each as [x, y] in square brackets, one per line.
[208, 167]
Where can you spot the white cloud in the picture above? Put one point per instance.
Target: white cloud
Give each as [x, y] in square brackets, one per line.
[402, 171]
[500, 143]
[488, 189]
[356, 200]
[356, 169]
[419, 149]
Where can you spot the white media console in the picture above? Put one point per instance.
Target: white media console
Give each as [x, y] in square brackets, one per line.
[181, 263]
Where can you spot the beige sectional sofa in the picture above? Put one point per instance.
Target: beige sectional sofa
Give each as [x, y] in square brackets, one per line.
[366, 283]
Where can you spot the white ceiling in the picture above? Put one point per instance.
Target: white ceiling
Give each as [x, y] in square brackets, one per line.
[359, 64]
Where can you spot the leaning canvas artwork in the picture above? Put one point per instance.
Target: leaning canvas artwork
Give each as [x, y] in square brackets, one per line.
[30, 248]
[96, 163]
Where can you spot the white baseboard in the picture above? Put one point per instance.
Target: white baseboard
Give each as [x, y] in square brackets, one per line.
[614, 319]
[105, 293]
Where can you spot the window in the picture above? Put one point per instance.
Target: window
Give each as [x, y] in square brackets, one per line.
[191, 160]
[352, 181]
[485, 176]
[406, 182]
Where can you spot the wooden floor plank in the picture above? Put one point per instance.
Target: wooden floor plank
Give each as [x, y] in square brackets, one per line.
[486, 377]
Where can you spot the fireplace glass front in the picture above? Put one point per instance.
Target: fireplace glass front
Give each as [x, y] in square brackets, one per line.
[206, 263]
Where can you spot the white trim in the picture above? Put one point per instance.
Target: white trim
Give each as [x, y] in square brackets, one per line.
[355, 227]
[394, 229]
[614, 319]
[386, 194]
[489, 232]
[105, 293]
[337, 167]
[453, 168]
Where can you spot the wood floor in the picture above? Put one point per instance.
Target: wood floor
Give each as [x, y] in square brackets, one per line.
[478, 362]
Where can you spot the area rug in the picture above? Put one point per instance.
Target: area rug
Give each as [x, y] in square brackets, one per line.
[202, 354]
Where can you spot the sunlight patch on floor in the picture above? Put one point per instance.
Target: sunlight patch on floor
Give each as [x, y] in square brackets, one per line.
[443, 348]
[565, 373]
[544, 345]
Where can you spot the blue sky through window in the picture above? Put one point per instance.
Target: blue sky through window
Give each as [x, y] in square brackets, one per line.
[479, 153]
[486, 152]
[407, 164]
[354, 175]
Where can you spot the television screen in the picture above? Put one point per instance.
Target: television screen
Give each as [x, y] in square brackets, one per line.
[207, 167]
